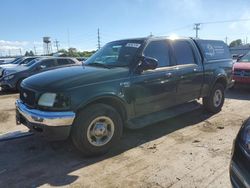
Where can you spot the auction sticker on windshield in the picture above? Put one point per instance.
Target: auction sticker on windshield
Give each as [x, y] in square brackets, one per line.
[133, 45]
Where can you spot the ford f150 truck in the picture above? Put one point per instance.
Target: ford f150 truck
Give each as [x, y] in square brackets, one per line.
[128, 83]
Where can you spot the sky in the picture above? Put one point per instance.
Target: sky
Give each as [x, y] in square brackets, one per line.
[74, 23]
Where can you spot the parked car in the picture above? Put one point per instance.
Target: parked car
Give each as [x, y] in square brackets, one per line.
[240, 162]
[6, 60]
[241, 70]
[131, 83]
[17, 62]
[12, 77]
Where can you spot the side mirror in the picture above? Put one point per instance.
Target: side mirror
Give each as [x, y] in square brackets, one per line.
[40, 67]
[147, 63]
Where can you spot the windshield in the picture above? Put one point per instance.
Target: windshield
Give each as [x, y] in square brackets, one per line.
[18, 61]
[245, 58]
[32, 62]
[115, 54]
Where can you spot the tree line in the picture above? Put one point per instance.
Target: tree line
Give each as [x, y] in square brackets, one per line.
[71, 52]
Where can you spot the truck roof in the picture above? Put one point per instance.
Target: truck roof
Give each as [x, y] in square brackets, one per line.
[167, 37]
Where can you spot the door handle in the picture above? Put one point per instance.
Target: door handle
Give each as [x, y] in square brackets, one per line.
[195, 70]
[168, 75]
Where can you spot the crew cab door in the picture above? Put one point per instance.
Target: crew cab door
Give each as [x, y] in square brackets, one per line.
[190, 70]
[155, 90]
[46, 65]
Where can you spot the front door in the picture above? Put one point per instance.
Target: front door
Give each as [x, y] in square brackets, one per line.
[155, 90]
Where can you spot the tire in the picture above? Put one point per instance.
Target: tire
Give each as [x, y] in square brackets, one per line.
[88, 128]
[214, 102]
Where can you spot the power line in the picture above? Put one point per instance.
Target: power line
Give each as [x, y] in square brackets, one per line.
[227, 21]
[197, 25]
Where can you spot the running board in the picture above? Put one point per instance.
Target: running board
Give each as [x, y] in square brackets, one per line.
[156, 117]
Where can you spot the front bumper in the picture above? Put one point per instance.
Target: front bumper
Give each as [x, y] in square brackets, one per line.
[7, 84]
[241, 79]
[54, 125]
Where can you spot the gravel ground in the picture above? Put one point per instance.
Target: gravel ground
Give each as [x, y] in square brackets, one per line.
[191, 150]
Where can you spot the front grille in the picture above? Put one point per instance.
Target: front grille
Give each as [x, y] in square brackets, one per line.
[28, 97]
[242, 73]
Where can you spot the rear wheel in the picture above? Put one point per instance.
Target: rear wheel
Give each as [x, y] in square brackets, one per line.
[96, 129]
[214, 102]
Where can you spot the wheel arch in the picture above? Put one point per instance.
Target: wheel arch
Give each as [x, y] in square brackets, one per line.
[110, 100]
[222, 79]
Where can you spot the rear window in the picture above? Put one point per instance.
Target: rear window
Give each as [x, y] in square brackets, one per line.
[214, 50]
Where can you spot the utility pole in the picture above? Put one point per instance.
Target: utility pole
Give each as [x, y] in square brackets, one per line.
[20, 50]
[98, 39]
[35, 50]
[9, 53]
[226, 40]
[197, 28]
[57, 45]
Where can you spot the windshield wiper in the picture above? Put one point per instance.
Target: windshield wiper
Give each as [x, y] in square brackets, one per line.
[98, 65]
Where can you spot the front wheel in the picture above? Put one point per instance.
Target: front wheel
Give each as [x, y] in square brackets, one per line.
[214, 102]
[96, 129]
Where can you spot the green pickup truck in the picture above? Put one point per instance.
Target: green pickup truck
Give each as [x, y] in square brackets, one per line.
[128, 83]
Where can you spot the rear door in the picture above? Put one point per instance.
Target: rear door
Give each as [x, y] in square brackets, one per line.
[64, 62]
[155, 90]
[189, 68]
[46, 65]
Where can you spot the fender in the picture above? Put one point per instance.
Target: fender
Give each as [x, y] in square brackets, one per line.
[221, 77]
[127, 108]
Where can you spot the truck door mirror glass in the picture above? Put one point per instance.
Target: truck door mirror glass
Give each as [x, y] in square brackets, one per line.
[148, 63]
[41, 67]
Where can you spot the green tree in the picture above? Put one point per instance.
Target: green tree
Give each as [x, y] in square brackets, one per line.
[27, 53]
[31, 53]
[236, 43]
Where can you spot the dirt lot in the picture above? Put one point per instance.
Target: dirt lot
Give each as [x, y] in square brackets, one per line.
[192, 150]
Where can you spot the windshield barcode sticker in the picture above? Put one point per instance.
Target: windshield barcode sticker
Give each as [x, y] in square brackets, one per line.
[133, 45]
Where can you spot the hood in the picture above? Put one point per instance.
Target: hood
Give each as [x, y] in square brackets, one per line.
[71, 77]
[242, 65]
[11, 70]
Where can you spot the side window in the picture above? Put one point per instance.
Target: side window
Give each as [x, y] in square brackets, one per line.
[183, 52]
[62, 62]
[160, 51]
[47, 64]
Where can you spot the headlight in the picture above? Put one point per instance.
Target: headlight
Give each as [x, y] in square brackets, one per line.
[8, 77]
[245, 134]
[55, 101]
[47, 99]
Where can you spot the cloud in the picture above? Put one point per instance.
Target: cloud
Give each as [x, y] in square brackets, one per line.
[242, 25]
[184, 7]
[12, 45]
